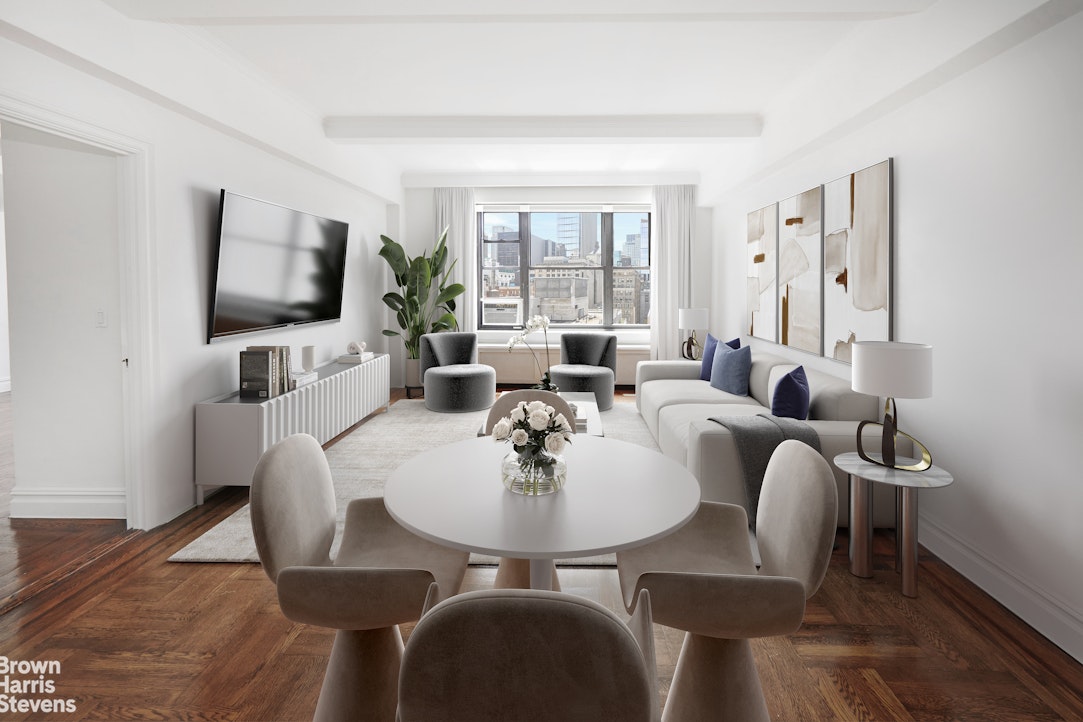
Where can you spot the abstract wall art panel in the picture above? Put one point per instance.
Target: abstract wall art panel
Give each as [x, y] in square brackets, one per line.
[857, 259]
[800, 260]
[761, 318]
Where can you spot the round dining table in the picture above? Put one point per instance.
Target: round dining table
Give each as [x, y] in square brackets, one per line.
[617, 495]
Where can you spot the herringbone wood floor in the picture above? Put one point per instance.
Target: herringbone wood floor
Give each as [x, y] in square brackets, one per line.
[141, 638]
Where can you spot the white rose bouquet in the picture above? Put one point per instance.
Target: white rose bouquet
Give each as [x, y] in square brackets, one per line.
[538, 433]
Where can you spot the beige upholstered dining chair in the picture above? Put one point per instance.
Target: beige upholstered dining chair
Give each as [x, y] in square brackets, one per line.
[380, 577]
[521, 654]
[515, 573]
[702, 579]
[508, 400]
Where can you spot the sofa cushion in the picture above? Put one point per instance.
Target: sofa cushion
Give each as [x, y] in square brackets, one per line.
[708, 355]
[673, 423]
[830, 397]
[730, 369]
[791, 396]
[653, 396]
[708, 358]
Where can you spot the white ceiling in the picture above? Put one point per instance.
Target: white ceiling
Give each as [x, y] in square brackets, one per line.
[564, 86]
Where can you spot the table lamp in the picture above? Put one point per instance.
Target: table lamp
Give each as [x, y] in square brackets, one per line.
[689, 319]
[893, 370]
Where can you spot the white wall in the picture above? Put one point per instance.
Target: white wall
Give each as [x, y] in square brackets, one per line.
[987, 253]
[188, 161]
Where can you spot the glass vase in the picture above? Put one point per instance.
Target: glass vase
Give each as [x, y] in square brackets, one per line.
[533, 474]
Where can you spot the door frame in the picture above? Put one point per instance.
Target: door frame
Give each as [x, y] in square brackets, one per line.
[138, 296]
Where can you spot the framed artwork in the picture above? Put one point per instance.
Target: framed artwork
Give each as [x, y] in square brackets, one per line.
[800, 263]
[857, 269]
[761, 300]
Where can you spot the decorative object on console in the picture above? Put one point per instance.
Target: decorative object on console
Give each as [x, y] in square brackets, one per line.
[689, 319]
[800, 258]
[761, 297]
[280, 368]
[893, 370]
[857, 259]
[538, 434]
[533, 324]
[731, 368]
[308, 358]
[256, 374]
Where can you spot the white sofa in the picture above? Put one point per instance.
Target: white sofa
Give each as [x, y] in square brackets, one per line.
[677, 407]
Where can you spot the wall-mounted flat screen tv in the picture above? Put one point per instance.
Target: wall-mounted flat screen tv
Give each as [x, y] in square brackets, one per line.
[275, 267]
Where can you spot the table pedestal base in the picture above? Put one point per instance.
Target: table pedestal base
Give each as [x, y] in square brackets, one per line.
[521, 573]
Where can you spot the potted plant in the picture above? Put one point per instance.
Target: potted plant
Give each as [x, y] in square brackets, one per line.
[425, 301]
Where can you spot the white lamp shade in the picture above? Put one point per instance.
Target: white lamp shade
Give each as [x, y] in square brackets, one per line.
[891, 369]
[691, 318]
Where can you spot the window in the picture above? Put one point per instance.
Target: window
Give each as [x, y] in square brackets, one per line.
[579, 268]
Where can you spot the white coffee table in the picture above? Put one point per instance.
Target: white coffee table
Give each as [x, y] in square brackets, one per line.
[618, 495]
[589, 403]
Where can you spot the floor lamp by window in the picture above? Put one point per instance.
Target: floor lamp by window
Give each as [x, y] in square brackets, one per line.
[689, 319]
[893, 370]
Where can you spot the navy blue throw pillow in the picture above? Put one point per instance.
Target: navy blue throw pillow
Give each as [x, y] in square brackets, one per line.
[791, 397]
[730, 369]
[734, 343]
[708, 358]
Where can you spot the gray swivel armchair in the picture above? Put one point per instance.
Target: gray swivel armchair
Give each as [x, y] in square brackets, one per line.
[381, 577]
[522, 654]
[450, 372]
[588, 362]
[702, 579]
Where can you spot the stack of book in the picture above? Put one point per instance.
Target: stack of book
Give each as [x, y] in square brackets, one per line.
[265, 371]
[356, 358]
[302, 378]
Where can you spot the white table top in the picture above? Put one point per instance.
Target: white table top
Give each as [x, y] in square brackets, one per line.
[933, 477]
[618, 495]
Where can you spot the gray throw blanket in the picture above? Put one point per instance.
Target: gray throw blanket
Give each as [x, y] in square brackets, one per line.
[756, 438]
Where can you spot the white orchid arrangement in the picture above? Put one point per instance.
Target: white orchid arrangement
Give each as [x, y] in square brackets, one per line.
[536, 431]
[535, 323]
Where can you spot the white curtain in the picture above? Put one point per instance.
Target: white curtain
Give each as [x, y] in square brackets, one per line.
[454, 209]
[673, 229]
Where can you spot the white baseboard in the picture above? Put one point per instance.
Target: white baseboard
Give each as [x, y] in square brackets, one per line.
[68, 504]
[5, 385]
[1051, 617]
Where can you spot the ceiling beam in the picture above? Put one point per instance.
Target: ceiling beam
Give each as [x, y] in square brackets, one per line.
[254, 12]
[548, 129]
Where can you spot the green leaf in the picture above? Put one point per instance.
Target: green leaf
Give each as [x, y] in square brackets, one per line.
[389, 332]
[393, 301]
[446, 294]
[395, 256]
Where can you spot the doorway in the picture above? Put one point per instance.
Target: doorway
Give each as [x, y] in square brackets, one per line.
[64, 288]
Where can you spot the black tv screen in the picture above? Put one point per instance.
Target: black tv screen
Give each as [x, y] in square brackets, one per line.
[275, 267]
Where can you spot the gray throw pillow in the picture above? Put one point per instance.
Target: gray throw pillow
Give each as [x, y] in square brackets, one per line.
[730, 369]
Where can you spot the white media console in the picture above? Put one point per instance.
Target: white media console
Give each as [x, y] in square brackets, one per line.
[232, 433]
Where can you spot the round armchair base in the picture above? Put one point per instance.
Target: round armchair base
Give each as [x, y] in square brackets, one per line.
[581, 377]
[460, 387]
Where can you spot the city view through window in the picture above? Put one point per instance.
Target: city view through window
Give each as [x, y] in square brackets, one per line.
[580, 268]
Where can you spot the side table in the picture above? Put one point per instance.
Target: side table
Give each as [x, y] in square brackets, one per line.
[907, 484]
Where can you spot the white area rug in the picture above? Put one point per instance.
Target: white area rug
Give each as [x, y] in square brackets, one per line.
[362, 460]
